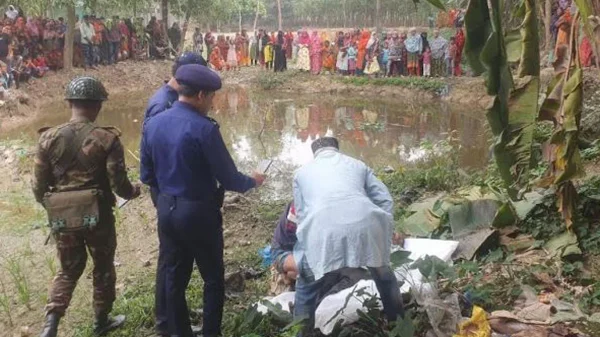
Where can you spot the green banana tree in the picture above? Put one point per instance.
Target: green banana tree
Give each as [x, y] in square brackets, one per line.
[515, 109]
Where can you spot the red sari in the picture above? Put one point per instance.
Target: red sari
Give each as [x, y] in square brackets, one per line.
[460, 44]
[362, 50]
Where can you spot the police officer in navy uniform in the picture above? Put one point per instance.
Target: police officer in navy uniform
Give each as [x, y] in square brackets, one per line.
[162, 100]
[166, 95]
[183, 156]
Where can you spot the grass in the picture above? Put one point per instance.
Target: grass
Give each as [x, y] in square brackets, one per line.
[5, 303]
[408, 82]
[19, 278]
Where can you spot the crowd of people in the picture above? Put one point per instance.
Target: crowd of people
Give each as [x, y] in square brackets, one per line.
[354, 53]
[32, 46]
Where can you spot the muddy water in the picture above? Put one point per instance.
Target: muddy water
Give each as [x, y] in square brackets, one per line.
[282, 128]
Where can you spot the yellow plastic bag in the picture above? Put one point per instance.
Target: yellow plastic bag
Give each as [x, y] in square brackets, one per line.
[476, 326]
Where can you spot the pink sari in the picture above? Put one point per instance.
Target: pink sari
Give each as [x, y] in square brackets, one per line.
[315, 53]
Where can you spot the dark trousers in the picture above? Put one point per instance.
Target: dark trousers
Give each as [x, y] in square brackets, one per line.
[88, 54]
[160, 293]
[191, 231]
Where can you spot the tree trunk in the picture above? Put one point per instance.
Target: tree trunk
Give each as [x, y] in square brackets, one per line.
[256, 16]
[186, 23]
[69, 37]
[279, 18]
[345, 14]
[164, 12]
[240, 19]
[377, 16]
[135, 8]
[547, 24]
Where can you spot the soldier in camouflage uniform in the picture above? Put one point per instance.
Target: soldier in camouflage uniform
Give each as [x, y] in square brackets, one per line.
[99, 163]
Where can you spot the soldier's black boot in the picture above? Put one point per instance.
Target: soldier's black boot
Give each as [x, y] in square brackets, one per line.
[50, 326]
[104, 324]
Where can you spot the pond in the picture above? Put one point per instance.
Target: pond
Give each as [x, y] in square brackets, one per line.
[280, 127]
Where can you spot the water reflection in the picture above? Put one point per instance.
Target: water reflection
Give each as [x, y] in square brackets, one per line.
[283, 128]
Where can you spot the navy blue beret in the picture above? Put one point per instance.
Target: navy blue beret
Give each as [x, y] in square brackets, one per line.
[198, 77]
[189, 58]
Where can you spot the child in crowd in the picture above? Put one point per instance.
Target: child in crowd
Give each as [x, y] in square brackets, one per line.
[232, 59]
[450, 55]
[427, 62]
[352, 52]
[269, 55]
[41, 65]
[30, 68]
[328, 57]
[5, 77]
[385, 58]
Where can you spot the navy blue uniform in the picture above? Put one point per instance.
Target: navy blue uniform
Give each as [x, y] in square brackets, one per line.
[162, 100]
[184, 156]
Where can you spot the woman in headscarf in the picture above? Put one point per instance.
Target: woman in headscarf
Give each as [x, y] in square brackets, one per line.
[253, 42]
[289, 41]
[296, 45]
[328, 56]
[315, 53]
[232, 55]
[438, 51]
[216, 60]
[459, 40]
[303, 52]
[361, 57]
[414, 46]
[340, 50]
[280, 58]
[372, 64]
[564, 28]
[404, 53]
[424, 46]
[242, 45]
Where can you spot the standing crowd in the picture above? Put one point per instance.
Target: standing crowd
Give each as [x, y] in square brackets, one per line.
[32, 46]
[354, 53]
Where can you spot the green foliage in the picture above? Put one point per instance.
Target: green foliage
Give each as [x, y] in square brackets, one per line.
[542, 132]
[422, 83]
[270, 80]
[590, 302]
[592, 152]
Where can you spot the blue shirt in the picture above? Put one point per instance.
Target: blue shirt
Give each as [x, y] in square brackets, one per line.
[162, 100]
[183, 155]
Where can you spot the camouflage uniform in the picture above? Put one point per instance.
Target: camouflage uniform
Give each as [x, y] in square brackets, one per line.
[100, 164]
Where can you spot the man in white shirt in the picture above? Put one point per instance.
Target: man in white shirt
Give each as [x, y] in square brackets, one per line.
[87, 35]
[344, 221]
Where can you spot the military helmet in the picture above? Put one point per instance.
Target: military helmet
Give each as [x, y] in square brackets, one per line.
[86, 88]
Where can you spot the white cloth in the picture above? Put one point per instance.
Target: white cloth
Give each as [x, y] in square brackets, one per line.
[87, 32]
[344, 215]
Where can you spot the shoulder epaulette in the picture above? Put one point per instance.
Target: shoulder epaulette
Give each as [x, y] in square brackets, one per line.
[114, 130]
[44, 129]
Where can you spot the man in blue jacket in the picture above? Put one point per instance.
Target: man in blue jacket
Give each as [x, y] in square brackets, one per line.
[184, 157]
[162, 100]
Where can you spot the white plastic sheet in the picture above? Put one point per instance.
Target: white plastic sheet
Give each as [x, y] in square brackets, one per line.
[411, 278]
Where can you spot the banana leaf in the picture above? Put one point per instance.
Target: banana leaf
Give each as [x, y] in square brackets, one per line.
[478, 28]
[515, 107]
[563, 105]
[514, 45]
